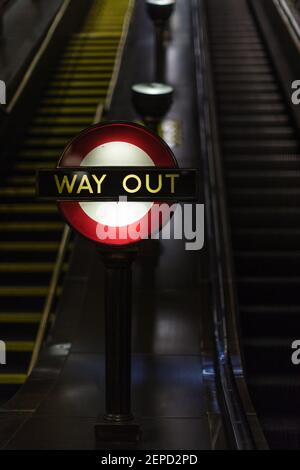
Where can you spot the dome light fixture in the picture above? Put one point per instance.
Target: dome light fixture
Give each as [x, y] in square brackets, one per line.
[152, 101]
[160, 11]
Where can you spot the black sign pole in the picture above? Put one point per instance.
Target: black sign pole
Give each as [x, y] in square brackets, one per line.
[160, 53]
[160, 15]
[118, 424]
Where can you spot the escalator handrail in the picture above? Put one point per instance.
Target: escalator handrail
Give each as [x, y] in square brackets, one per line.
[228, 357]
[287, 13]
[120, 52]
[56, 274]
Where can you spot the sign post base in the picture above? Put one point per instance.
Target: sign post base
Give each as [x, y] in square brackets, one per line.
[113, 432]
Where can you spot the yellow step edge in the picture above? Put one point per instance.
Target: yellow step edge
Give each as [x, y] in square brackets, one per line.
[12, 379]
[13, 267]
[103, 44]
[61, 120]
[79, 87]
[43, 153]
[65, 76]
[86, 60]
[77, 67]
[19, 346]
[67, 101]
[30, 318]
[57, 138]
[97, 35]
[34, 166]
[39, 162]
[31, 226]
[14, 180]
[49, 130]
[17, 191]
[77, 93]
[9, 291]
[68, 110]
[51, 139]
[110, 29]
[91, 49]
[85, 69]
[95, 84]
[28, 208]
[105, 40]
[84, 72]
[29, 246]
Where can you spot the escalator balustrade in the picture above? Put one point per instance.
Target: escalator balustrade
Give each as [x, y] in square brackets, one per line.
[261, 160]
[30, 232]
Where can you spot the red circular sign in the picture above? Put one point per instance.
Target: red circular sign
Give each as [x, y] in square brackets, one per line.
[116, 144]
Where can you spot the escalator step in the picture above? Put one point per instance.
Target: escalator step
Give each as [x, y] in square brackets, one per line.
[283, 432]
[264, 178]
[266, 238]
[266, 217]
[244, 77]
[21, 180]
[266, 263]
[257, 132]
[75, 94]
[65, 131]
[261, 162]
[66, 101]
[12, 379]
[269, 356]
[251, 109]
[248, 147]
[282, 388]
[269, 289]
[254, 120]
[72, 111]
[20, 318]
[61, 120]
[26, 268]
[30, 226]
[19, 346]
[80, 85]
[256, 319]
[264, 196]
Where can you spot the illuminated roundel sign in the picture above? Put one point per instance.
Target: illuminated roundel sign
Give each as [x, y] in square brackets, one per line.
[116, 144]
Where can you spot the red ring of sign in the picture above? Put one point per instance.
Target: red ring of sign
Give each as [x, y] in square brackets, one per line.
[100, 134]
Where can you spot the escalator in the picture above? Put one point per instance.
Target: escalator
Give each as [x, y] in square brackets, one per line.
[30, 232]
[261, 162]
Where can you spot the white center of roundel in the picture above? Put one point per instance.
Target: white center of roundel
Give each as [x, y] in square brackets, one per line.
[116, 214]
